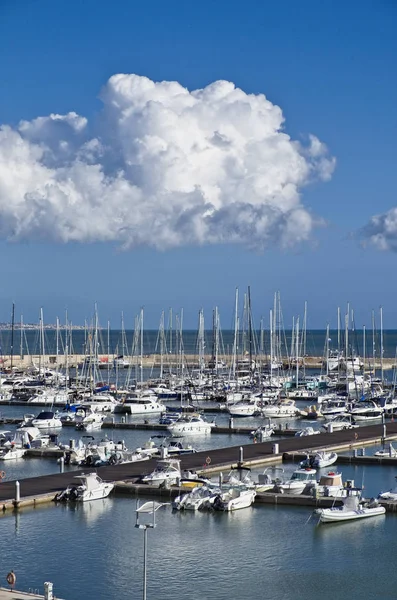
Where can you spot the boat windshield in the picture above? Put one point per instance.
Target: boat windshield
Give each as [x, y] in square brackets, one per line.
[301, 476]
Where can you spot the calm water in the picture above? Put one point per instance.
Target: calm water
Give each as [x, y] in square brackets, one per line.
[94, 552]
[123, 343]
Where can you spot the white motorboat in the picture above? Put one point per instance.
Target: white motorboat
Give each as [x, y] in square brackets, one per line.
[331, 484]
[46, 420]
[190, 424]
[12, 452]
[352, 508]
[320, 460]
[306, 431]
[88, 420]
[140, 404]
[283, 408]
[301, 478]
[167, 471]
[366, 410]
[100, 402]
[339, 422]
[262, 433]
[391, 452]
[193, 500]
[244, 408]
[87, 487]
[333, 406]
[235, 498]
[390, 495]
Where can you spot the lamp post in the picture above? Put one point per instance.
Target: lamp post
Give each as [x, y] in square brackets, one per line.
[148, 508]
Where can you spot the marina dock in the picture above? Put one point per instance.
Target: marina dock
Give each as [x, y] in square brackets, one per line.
[36, 490]
[7, 594]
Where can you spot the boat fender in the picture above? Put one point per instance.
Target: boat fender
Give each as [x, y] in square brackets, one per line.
[2, 474]
[11, 579]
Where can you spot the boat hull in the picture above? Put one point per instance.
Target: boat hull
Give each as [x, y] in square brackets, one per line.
[335, 515]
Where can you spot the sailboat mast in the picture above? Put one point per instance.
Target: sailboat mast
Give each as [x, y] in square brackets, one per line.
[234, 361]
[141, 365]
[363, 358]
[250, 330]
[12, 335]
[21, 340]
[297, 352]
[381, 343]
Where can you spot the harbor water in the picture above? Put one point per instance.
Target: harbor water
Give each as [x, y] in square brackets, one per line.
[93, 551]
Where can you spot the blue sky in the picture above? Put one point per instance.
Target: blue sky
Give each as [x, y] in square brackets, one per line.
[329, 66]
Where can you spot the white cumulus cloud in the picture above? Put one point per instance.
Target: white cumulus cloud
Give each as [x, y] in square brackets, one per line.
[381, 231]
[160, 166]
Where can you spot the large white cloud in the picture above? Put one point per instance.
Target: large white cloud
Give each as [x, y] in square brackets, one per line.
[161, 166]
[381, 231]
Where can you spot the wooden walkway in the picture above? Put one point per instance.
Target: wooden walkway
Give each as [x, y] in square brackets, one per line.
[219, 458]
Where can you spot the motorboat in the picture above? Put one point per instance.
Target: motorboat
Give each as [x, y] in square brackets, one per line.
[167, 472]
[11, 452]
[320, 460]
[306, 431]
[235, 498]
[366, 410]
[339, 422]
[100, 402]
[267, 482]
[263, 433]
[190, 424]
[331, 484]
[193, 500]
[390, 453]
[140, 403]
[176, 448]
[168, 418]
[352, 508]
[311, 412]
[301, 478]
[283, 408]
[46, 420]
[244, 408]
[87, 487]
[390, 495]
[88, 420]
[333, 406]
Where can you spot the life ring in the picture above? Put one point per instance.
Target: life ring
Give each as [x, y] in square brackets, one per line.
[2, 474]
[356, 436]
[11, 579]
[208, 460]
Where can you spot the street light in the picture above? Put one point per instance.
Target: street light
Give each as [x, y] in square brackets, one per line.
[147, 508]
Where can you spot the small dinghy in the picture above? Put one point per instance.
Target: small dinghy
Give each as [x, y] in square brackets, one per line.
[351, 509]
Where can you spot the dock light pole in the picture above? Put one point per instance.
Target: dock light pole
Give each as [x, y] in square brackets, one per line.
[148, 508]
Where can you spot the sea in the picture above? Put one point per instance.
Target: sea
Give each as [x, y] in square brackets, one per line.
[94, 551]
[128, 342]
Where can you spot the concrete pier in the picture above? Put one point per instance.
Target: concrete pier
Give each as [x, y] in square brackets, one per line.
[191, 360]
[37, 490]
[7, 594]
